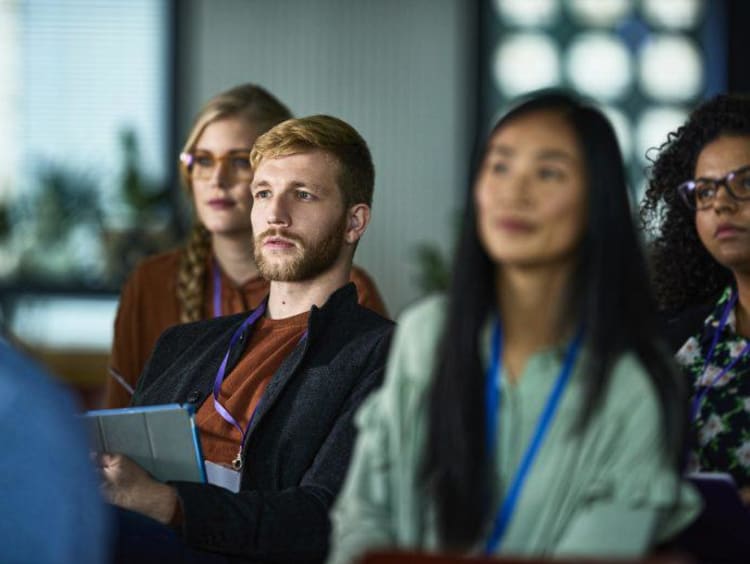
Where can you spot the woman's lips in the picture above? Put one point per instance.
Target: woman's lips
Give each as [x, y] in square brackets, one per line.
[514, 225]
[727, 231]
[221, 204]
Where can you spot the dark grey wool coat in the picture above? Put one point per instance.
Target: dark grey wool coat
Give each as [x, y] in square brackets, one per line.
[298, 448]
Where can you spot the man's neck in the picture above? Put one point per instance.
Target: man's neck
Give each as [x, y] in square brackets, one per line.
[286, 299]
[235, 257]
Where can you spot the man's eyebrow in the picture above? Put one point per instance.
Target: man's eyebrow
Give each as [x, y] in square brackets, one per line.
[308, 185]
[292, 184]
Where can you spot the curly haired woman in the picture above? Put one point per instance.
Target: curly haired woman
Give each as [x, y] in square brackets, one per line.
[697, 206]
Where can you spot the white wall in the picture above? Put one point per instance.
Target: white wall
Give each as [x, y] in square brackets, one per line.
[400, 71]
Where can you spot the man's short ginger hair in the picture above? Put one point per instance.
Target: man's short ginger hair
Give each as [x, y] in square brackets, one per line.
[356, 176]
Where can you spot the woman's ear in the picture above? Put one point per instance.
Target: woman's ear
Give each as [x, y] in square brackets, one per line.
[358, 218]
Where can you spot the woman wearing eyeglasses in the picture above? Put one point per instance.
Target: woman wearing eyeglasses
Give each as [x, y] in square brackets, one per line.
[215, 273]
[698, 207]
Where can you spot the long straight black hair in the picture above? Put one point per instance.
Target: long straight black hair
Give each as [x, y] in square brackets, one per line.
[608, 294]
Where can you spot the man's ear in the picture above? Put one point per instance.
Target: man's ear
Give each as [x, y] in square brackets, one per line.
[358, 218]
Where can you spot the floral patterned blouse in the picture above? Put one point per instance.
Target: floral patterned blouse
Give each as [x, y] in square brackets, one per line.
[722, 442]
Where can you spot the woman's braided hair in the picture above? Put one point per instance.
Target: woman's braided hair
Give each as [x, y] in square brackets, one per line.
[263, 110]
[684, 273]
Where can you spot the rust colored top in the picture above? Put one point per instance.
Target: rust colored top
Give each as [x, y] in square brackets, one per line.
[149, 305]
[271, 341]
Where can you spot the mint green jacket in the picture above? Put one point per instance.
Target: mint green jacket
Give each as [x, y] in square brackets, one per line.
[605, 491]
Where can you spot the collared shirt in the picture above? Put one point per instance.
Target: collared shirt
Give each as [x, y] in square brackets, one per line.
[602, 491]
[722, 441]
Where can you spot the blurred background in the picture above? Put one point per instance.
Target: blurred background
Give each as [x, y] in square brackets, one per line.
[96, 97]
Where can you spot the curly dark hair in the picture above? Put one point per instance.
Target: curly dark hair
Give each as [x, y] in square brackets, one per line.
[684, 273]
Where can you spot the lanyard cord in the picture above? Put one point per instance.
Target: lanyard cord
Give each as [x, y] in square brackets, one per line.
[221, 374]
[701, 395]
[505, 512]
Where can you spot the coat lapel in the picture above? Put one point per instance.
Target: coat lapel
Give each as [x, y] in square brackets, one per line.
[280, 379]
[319, 318]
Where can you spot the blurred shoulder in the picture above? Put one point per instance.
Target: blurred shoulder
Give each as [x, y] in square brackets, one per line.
[152, 286]
[631, 387]
[24, 382]
[418, 332]
[158, 265]
[426, 315]
[401, 400]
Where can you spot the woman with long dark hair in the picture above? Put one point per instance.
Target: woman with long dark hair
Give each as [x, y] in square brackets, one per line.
[531, 411]
[697, 207]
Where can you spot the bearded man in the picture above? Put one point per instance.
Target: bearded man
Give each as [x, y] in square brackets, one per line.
[275, 391]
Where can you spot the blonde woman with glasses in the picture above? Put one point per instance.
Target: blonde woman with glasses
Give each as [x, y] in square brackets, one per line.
[214, 274]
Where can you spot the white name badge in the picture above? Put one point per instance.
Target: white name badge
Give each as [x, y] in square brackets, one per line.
[219, 475]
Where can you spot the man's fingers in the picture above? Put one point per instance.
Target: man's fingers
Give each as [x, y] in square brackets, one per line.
[108, 459]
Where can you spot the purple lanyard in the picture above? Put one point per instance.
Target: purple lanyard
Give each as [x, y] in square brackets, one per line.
[221, 375]
[701, 395]
[217, 289]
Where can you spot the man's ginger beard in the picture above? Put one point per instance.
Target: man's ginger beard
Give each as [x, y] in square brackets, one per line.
[306, 263]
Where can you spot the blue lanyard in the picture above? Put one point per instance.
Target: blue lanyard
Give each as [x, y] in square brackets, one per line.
[492, 395]
[701, 395]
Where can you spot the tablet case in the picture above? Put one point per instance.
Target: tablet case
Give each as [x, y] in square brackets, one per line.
[162, 439]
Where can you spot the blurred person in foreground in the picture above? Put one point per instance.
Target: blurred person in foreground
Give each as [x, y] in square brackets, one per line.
[531, 411]
[52, 511]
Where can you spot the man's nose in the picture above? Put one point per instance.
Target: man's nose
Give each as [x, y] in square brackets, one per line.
[277, 211]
